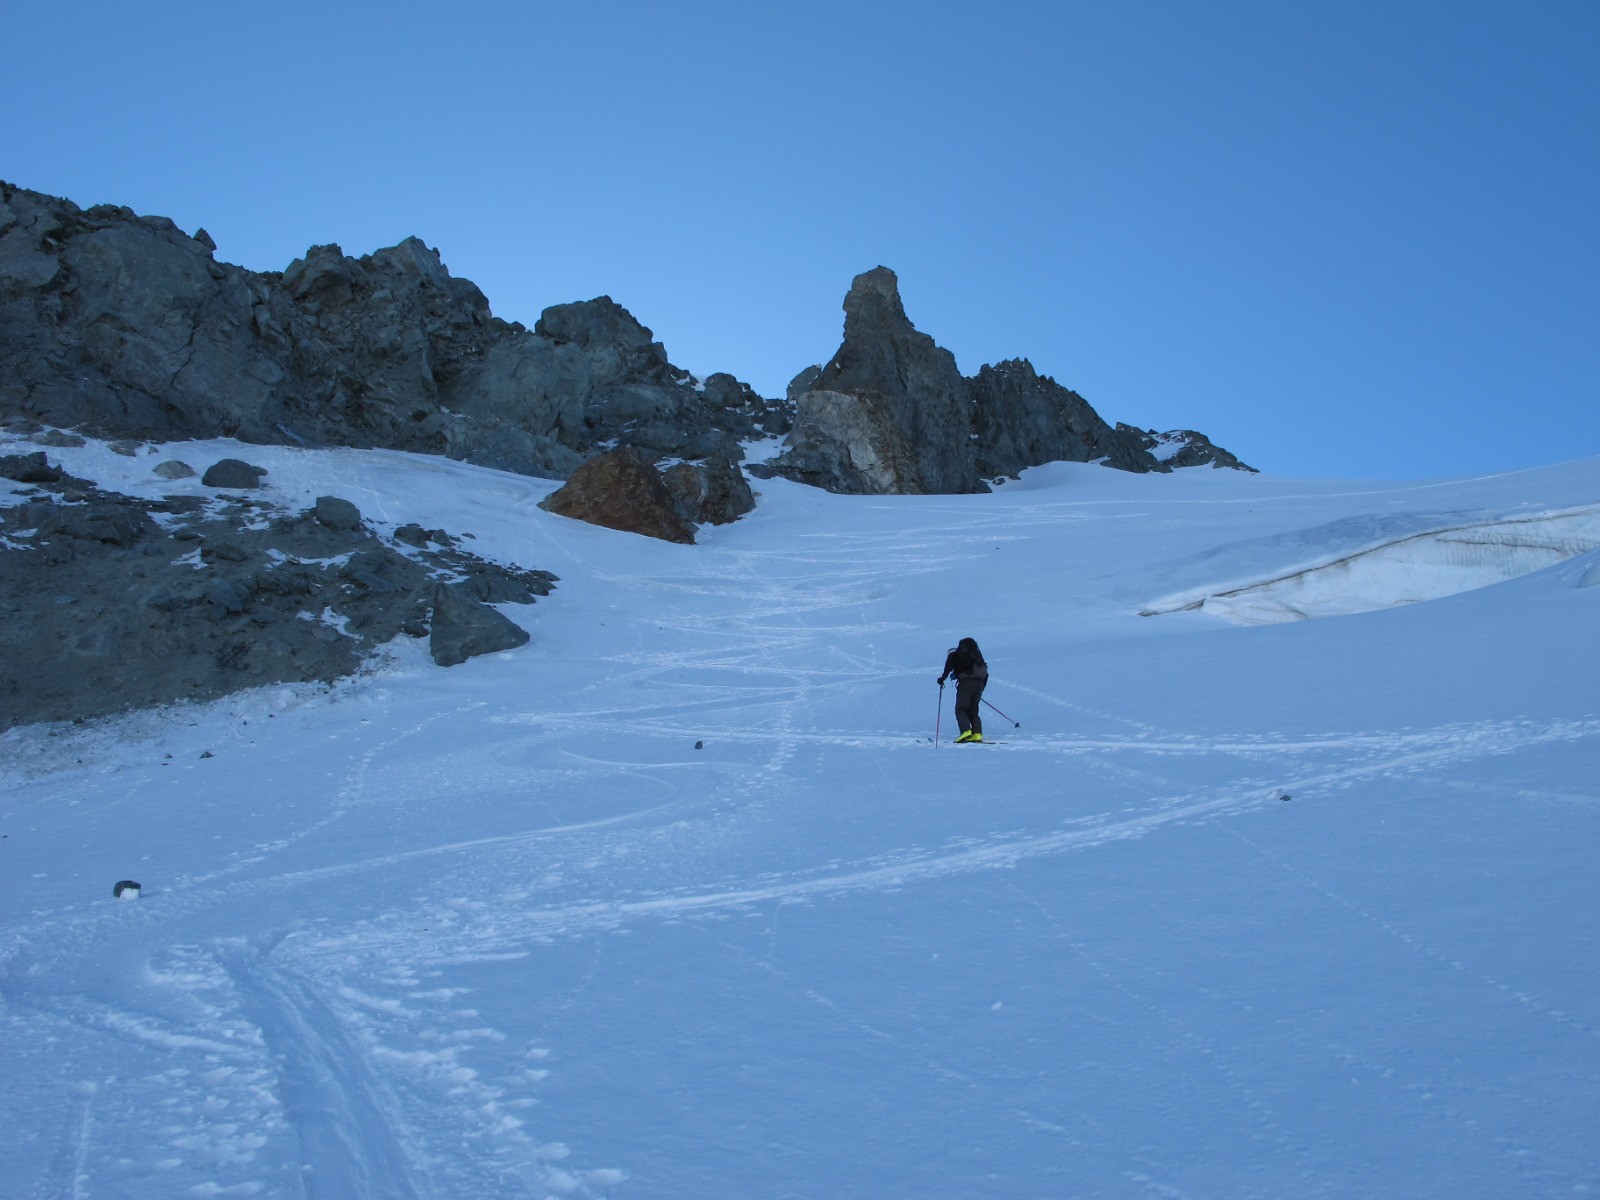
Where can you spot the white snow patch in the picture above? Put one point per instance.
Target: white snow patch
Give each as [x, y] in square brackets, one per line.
[1167, 446]
[763, 450]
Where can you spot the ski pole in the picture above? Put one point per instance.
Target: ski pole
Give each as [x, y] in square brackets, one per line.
[938, 715]
[1014, 724]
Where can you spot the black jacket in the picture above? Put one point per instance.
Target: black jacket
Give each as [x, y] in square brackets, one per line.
[965, 662]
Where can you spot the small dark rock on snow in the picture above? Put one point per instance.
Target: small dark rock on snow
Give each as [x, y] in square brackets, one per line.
[233, 473]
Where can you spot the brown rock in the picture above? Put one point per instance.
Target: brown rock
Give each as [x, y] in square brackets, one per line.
[621, 489]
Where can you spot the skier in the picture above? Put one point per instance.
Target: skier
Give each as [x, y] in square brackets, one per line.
[966, 664]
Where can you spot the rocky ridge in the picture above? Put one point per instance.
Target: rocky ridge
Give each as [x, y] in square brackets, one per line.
[124, 326]
[890, 413]
[1182, 448]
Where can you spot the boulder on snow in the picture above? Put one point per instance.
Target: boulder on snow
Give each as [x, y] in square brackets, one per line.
[58, 438]
[623, 490]
[413, 534]
[29, 468]
[336, 513]
[126, 889]
[464, 628]
[233, 473]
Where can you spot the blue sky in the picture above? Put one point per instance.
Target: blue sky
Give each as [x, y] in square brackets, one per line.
[1343, 239]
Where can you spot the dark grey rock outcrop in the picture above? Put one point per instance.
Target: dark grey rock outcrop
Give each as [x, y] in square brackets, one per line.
[337, 514]
[892, 413]
[1183, 448]
[233, 473]
[29, 468]
[1022, 419]
[464, 628]
[106, 608]
[126, 327]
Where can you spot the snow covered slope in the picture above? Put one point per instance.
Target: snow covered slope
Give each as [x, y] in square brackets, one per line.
[680, 900]
[1402, 559]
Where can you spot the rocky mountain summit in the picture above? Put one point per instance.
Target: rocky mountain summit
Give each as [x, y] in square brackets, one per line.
[891, 413]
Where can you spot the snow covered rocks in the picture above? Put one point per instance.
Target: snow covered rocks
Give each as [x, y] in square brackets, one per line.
[118, 601]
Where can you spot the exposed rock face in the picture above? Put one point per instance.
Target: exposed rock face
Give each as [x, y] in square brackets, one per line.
[1183, 448]
[621, 489]
[713, 492]
[889, 413]
[1022, 419]
[126, 327]
[892, 413]
[106, 609]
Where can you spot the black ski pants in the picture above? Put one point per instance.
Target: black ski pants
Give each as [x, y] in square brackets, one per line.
[968, 693]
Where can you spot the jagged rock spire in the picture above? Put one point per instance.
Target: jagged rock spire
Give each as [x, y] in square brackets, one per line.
[889, 413]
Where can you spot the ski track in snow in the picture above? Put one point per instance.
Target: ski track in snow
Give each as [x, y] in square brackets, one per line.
[336, 1058]
[1179, 1034]
[342, 1058]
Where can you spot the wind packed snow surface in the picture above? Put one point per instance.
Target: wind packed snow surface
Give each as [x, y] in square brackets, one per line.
[680, 899]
